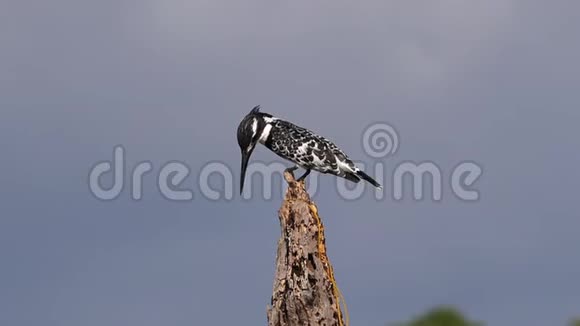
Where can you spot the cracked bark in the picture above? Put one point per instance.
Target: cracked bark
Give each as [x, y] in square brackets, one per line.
[304, 291]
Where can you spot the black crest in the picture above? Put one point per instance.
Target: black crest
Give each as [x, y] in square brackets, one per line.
[255, 110]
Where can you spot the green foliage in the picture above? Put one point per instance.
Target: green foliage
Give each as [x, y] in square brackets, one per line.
[575, 322]
[441, 316]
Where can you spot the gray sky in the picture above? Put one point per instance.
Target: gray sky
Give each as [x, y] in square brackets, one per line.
[492, 81]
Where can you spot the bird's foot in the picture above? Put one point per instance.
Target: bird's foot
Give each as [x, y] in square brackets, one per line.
[291, 169]
[301, 179]
[289, 174]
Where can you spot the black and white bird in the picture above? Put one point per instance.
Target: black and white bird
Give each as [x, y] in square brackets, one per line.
[296, 144]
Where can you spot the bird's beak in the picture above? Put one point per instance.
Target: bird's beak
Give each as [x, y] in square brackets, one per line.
[245, 159]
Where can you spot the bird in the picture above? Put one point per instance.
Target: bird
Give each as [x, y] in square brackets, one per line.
[298, 145]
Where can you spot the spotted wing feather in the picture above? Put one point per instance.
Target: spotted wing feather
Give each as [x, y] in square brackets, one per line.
[309, 150]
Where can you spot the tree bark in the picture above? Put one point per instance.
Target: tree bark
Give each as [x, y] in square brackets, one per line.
[305, 292]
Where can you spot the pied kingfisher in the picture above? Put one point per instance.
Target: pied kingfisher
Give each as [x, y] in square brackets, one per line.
[296, 144]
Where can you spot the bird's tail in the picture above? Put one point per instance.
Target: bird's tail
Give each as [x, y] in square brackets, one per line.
[366, 177]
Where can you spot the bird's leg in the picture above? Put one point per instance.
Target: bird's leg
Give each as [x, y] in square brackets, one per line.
[303, 176]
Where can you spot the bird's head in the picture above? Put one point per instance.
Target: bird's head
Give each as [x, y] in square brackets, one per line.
[249, 133]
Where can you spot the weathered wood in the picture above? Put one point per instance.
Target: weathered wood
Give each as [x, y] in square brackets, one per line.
[304, 292]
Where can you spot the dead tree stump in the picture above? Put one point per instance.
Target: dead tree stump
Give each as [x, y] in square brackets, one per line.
[305, 291]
